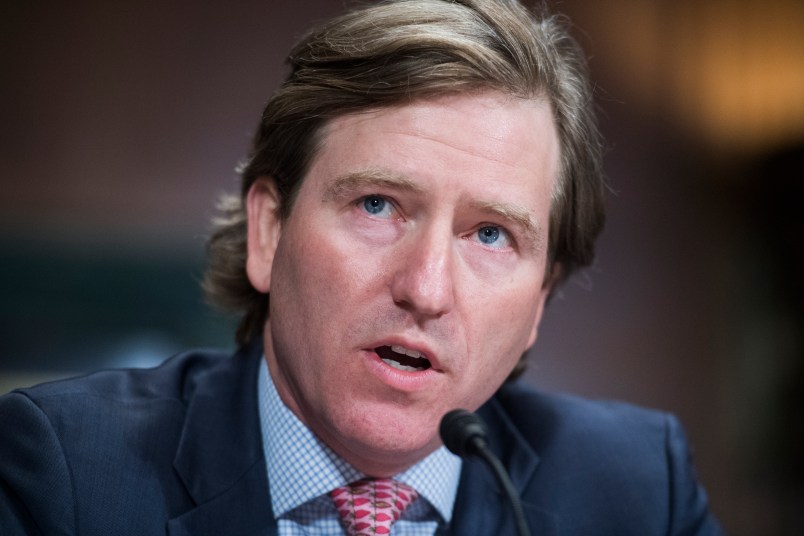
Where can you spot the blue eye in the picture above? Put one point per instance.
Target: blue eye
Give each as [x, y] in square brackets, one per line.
[493, 236]
[377, 205]
[374, 204]
[489, 235]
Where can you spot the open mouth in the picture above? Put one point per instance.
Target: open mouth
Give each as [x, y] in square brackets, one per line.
[402, 358]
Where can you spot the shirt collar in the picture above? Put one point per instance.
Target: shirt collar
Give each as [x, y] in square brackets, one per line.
[301, 468]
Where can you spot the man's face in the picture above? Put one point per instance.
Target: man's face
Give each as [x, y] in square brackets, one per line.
[409, 277]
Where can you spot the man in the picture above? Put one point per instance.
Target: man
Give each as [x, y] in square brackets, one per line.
[423, 179]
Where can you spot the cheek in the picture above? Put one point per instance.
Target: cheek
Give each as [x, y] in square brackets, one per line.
[487, 378]
[503, 324]
[371, 231]
[322, 272]
[489, 268]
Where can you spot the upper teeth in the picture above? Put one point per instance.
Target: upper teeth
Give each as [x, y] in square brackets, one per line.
[410, 353]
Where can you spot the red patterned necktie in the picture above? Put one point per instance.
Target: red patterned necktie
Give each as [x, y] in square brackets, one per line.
[368, 507]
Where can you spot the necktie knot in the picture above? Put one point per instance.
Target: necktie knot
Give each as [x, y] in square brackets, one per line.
[370, 506]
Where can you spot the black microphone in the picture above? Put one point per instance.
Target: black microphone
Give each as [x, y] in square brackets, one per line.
[465, 434]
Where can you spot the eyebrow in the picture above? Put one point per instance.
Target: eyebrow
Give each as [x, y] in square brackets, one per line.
[356, 181]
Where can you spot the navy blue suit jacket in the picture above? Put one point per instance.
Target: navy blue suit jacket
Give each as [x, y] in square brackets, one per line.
[177, 450]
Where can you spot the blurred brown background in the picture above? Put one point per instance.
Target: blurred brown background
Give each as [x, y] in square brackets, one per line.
[122, 121]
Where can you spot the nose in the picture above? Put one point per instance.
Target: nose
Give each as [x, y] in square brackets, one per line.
[423, 281]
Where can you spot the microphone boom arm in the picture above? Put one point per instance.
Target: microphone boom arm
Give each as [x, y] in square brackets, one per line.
[464, 434]
[504, 480]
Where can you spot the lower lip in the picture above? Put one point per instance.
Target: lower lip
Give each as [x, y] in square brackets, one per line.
[402, 380]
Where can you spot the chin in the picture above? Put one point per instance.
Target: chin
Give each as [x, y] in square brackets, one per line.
[387, 445]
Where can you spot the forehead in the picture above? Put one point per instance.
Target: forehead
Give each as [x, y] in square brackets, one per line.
[495, 135]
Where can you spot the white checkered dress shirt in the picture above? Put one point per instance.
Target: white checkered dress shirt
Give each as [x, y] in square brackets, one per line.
[302, 471]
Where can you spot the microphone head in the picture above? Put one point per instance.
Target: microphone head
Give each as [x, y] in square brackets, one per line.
[461, 430]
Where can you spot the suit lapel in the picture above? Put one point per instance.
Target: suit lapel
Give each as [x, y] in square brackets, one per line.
[481, 507]
[220, 458]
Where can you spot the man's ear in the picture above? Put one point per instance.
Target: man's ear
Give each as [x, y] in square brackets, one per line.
[552, 278]
[264, 228]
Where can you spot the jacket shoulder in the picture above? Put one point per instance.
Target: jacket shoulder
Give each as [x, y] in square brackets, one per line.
[544, 419]
[175, 378]
[623, 466]
[74, 450]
